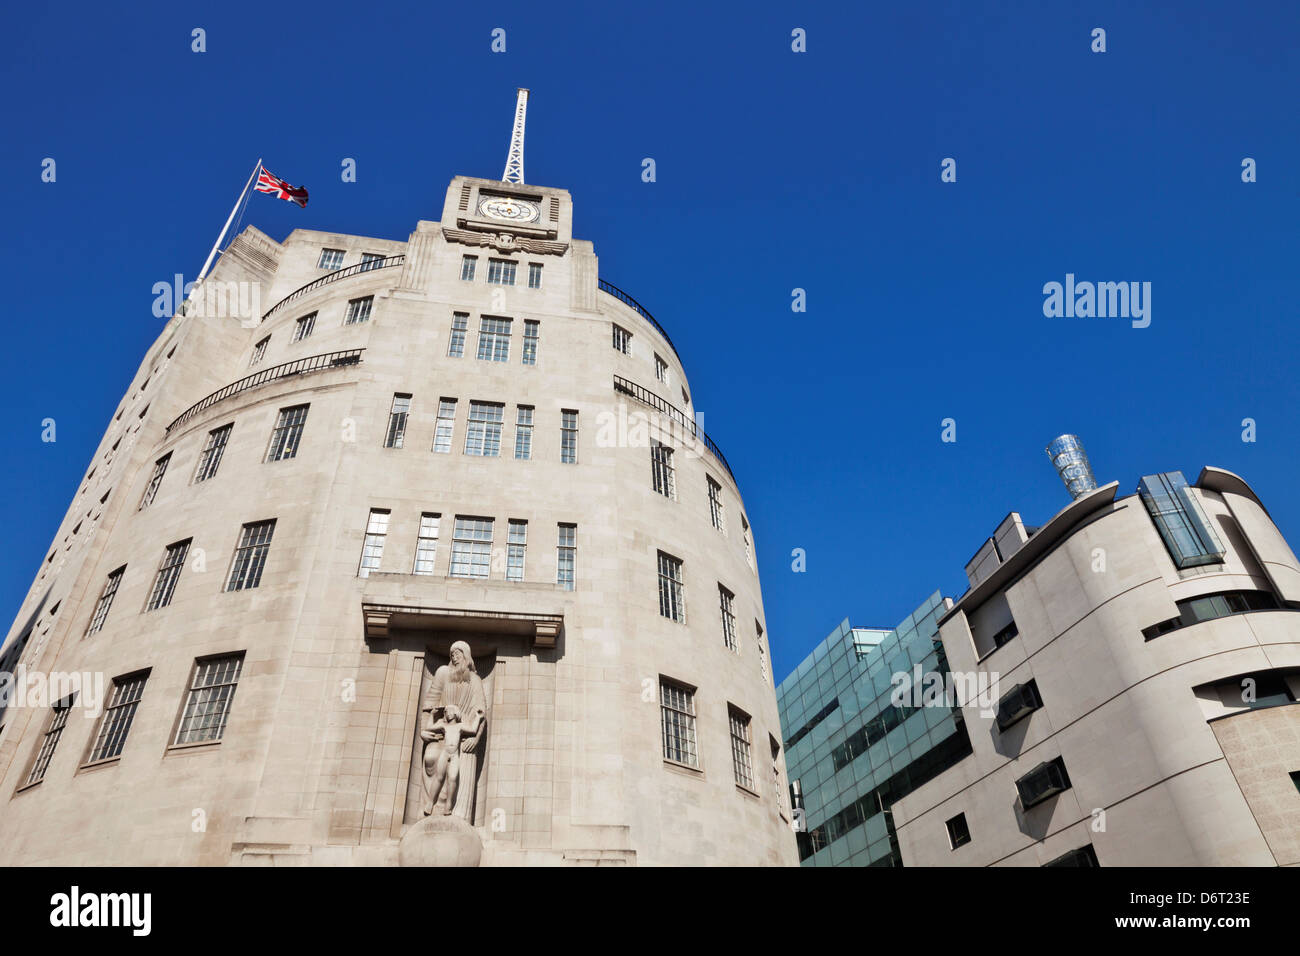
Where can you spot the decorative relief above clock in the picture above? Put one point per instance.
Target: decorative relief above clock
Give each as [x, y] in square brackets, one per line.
[508, 209]
[505, 241]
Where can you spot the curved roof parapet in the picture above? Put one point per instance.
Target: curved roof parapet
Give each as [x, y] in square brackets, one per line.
[1222, 480]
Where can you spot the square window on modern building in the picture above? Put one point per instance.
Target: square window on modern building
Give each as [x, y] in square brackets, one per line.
[958, 832]
[493, 339]
[207, 705]
[359, 310]
[483, 431]
[330, 259]
[1043, 782]
[115, 724]
[250, 555]
[1018, 703]
[372, 547]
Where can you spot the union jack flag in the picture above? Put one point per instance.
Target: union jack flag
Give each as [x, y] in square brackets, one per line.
[267, 182]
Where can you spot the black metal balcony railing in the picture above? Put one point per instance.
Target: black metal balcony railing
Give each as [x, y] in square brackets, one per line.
[647, 397]
[311, 363]
[637, 307]
[370, 266]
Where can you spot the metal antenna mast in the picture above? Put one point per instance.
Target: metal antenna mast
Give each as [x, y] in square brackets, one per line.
[515, 158]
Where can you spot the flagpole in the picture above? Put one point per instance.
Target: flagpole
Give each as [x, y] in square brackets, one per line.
[229, 219]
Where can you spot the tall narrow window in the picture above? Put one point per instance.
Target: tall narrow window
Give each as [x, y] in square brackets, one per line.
[467, 265]
[566, 556]
[213, 449]
[501, 272]
[762, 651]
[493, 339]
[534, 275]
[372, 548]
[304, 327]
[483, 434]
[105, 601]
[330, 259]
[1178, 516]
[370, 260]
[622, 339]
[359, 310]
[50, 740]
[397, 416]
[459, 325]
[742, 762]
[426, 545]
[259, 351]
[118, 716]
[727, 603]
[445, 427]
[661, 369]
[288, 433]
[169, 572]
[662, 475]
[677, 709]
[516, 543]
[524, 432]
[250, 556]
[568, 437]
[531, 330]
[672, 603]
[207, 707]
[155, 479]
[471, 547]
[749, 542]
[716, 514]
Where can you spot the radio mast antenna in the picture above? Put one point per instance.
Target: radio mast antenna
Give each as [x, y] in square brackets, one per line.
[515, 158]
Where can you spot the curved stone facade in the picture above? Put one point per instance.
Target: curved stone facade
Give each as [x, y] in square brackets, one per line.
[319, 759]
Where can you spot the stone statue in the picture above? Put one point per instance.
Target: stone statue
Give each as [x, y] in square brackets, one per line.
[453, 715]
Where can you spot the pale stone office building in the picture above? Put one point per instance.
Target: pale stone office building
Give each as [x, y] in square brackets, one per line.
[463, 445]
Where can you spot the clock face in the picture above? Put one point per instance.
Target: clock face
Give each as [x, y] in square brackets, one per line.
[510, 210]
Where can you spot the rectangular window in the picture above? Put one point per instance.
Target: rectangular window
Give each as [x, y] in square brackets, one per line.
[250, 556]
[397, 416]
[212, 688]
[58, 720]
[662, 476]
[677, 708]
[534, 275]
[742, 763]
[1084, 856]
[568, 437]
[661, 369]
[1018, 703]
[116, 722]
[501, 272]
[105, 601]
[516, 543]
[716, 514]
[259, 351]
[727, 603]
[213, 449]
[288, 433]
[169, 572]
[459, 324]
[531, 329]
[426, 545]
[749, 543]
[566, 555]
[370, 260]
[958, 832]
[445, 427]
[151, 489]
[1181, 521]
[524, 432]
[467, 266]
[330, 259]
[493, 339]
[762, 651]
[471, 547]
[359, 310]
[622, 339]
[372, 548]
[483, 434]
[672, 603]
[1043, 782]
[1295, 778]
[304, 327]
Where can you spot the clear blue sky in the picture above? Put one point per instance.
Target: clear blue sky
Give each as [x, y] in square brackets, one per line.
[776, 170]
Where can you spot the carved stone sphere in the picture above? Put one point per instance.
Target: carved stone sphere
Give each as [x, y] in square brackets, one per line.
[440, 841]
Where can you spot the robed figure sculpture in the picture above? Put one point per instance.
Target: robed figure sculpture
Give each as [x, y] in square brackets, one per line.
[453, 717]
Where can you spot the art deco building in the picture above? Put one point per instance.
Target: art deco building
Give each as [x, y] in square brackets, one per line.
[296, 512]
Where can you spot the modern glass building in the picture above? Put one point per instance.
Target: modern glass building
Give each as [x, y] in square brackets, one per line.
[850, 752]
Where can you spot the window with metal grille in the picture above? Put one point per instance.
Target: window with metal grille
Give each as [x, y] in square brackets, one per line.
[568, 437]
[741, 757]
[662, 474]
[1043, 782]
[483, 432]
[330, 259]
[727, 604]
[288, 433]
[566, 556]
[105, 601]
[207, 707]
[471, 547]
[372, 548]
[459, 325]
[426, 544]
[501, 272]
[524, 432]
[213, 449]
[370, 260]
[672, 604]
[359, 310]
[397, 416]
[169, 572]
[467, 266]
[661, 369]
[304, 327]
[534, 275]
[250, 556]
[445, 426]
[259, 351]
[493, 339]
[677, 708]
[622, 339]
[118, 716]
[50, 740]
[531, 331]
[155, 479]
[716, 514]
[516, 543]
[1018, 703]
